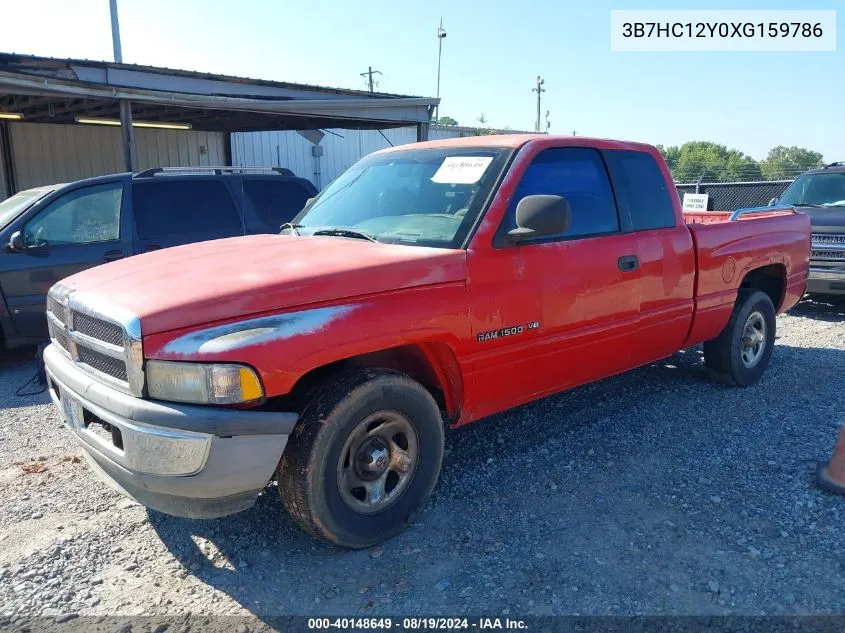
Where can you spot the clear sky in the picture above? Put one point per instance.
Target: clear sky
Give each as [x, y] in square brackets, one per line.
[491, 56]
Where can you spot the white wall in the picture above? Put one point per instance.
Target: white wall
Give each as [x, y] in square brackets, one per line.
[47, 154]
[341, 148]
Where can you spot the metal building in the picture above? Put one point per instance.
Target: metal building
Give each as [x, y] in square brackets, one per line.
[62, 119]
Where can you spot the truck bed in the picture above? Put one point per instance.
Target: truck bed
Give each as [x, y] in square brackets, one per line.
[729, 245]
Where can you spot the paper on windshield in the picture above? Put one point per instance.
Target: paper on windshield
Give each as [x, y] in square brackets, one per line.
[462, 170]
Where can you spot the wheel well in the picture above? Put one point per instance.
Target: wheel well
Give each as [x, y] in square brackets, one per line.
[770, 279]
[433, 365]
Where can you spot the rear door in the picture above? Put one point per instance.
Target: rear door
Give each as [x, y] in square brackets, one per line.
[173, 210]
[272, 200]
[664, 249]
[81, 228]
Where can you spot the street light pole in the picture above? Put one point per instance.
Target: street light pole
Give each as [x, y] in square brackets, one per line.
[441, 35]
[115, 32]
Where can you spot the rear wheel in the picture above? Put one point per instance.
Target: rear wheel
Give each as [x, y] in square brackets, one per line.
[363, 458]
[741, 353]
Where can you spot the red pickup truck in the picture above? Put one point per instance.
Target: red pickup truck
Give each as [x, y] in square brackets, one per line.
[430, 284]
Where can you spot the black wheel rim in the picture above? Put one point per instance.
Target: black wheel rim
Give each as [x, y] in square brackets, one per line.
[377, 462]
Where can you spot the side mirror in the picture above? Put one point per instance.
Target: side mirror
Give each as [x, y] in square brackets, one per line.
[16, 242]
[540, 215]
[308, 203]
[773, 202]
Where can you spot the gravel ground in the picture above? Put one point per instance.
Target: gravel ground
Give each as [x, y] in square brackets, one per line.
[655, 492]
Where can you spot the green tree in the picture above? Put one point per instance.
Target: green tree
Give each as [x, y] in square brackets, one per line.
[670, 155]
[447, 120]
[785, 163]
[710, 162]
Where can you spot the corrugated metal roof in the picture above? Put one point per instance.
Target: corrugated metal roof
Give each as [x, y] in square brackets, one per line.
[176, 72]
[50, 90]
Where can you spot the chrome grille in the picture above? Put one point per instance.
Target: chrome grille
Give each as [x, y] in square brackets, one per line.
[830, 255]
[57, 309]
[828, 238]
[103, 338]
[58, 335]
[113, 367]
[98, 328]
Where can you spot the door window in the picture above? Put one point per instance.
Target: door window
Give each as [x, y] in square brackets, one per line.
[173, 208]
[83, 216]
[579, 175]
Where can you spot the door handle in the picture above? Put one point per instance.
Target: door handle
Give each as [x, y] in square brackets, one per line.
[629, 263]
[110, 256]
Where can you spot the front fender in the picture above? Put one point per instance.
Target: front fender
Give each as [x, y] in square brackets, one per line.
[282, 347]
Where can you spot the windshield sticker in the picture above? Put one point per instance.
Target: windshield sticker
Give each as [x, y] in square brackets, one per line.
[462, 170]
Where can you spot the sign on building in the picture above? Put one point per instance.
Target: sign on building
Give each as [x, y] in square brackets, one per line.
[695, 202]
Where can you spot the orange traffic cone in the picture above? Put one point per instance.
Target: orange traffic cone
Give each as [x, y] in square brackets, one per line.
[831, 476]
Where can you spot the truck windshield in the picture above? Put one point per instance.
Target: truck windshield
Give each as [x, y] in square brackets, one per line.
[820, 189]
[12, 207]
[428, 197]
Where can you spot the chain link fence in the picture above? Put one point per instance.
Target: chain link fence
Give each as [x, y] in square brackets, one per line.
[730, 196]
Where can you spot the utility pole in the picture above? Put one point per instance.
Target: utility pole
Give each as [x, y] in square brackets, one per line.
[441, 35]
[369, 74]
[125, 106]
[548, 123]
[539, 90]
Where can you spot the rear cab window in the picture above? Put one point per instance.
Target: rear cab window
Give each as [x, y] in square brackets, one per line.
[185, 209]
[641, 189]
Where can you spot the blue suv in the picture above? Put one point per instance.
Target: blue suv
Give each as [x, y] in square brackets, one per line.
[49, 233]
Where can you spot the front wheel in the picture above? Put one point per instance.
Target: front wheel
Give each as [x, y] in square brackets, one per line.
[741, 353]
[363, 458]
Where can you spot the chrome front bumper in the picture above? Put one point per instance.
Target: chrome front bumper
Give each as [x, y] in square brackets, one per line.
[826, 280]
[185, 460]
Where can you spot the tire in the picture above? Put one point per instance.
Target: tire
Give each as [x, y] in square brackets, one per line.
[727, 357]
[358, 422]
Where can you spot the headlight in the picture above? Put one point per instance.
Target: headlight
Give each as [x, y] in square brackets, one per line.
[201, 383]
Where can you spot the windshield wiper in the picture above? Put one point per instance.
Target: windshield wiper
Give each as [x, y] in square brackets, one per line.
[294, 228]
[346, 233]
[807, 204]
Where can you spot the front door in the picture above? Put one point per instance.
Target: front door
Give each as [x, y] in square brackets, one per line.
[77, 230]
[557, 312]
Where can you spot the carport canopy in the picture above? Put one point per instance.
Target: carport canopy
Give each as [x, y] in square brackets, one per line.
[48, 90]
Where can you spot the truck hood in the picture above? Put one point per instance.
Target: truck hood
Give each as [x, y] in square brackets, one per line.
[224, 279]
[827, 219]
